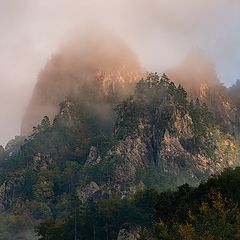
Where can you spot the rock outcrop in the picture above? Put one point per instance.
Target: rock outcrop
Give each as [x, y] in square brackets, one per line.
[199, 78]
[162, 139]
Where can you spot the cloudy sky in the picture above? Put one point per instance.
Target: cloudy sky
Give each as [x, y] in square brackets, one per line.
[161, 32]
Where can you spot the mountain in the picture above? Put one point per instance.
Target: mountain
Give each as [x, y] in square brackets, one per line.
[89, 68]
[199, 78]
[160, 139]
[103, 130]
[163, 140]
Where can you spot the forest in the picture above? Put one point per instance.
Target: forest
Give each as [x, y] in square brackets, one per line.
[79, 177]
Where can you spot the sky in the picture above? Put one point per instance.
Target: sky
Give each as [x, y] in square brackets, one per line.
[160, 32]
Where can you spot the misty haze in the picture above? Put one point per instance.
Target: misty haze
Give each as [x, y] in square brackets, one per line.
[120, 119]
[160, 33]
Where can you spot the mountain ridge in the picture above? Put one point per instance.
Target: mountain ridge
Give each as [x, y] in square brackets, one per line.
[99, 147]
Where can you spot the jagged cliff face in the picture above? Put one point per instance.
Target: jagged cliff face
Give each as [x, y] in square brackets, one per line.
[198, 76]
[89, 69]
[160, 140]
[159, 137]
[160, 144]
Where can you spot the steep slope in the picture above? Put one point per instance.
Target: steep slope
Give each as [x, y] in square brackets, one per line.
[90, 68]
[159, 140]
[198, 76]
[163, 141]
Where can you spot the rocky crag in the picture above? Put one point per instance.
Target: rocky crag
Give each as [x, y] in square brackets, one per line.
[163, 141]
[90, 69]
[112, 135]
[160, 140]
[198, 76]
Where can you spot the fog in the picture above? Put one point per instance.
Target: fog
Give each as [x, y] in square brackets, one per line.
[160, 32]
[90, 68]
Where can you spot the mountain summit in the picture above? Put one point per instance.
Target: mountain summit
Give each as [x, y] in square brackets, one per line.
[89, 68]
[198, 76]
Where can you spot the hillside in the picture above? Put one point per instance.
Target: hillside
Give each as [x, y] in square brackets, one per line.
[198, 76]
[159, 139]
[162, 141]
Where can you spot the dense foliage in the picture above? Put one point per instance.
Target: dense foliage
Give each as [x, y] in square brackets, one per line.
[155, 92]
[210, 211]
[46, 172]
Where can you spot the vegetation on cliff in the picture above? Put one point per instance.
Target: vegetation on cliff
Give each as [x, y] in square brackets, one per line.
[210, 211]
[77, 174]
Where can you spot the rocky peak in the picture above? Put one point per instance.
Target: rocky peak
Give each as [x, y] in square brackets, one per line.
[88, 69]
[162, 136]
[199, 78]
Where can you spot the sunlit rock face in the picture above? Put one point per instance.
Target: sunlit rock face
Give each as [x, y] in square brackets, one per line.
[90, 68]
[198, 76]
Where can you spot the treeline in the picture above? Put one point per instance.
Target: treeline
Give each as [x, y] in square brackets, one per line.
[210, 211]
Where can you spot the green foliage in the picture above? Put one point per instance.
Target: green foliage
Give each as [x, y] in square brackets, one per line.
[62, 148]
[206, 212]
[150, 177]
[67, 227]
[203, 125]
[202, 118]
[40, 210]
[100, 220]
[105, 171]
[180, 96]
[150, 93]
[210, 211]
[30, 181]
[43, 189]
[157, 99]
[129, 113]
[154, 178]
[218, 219]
